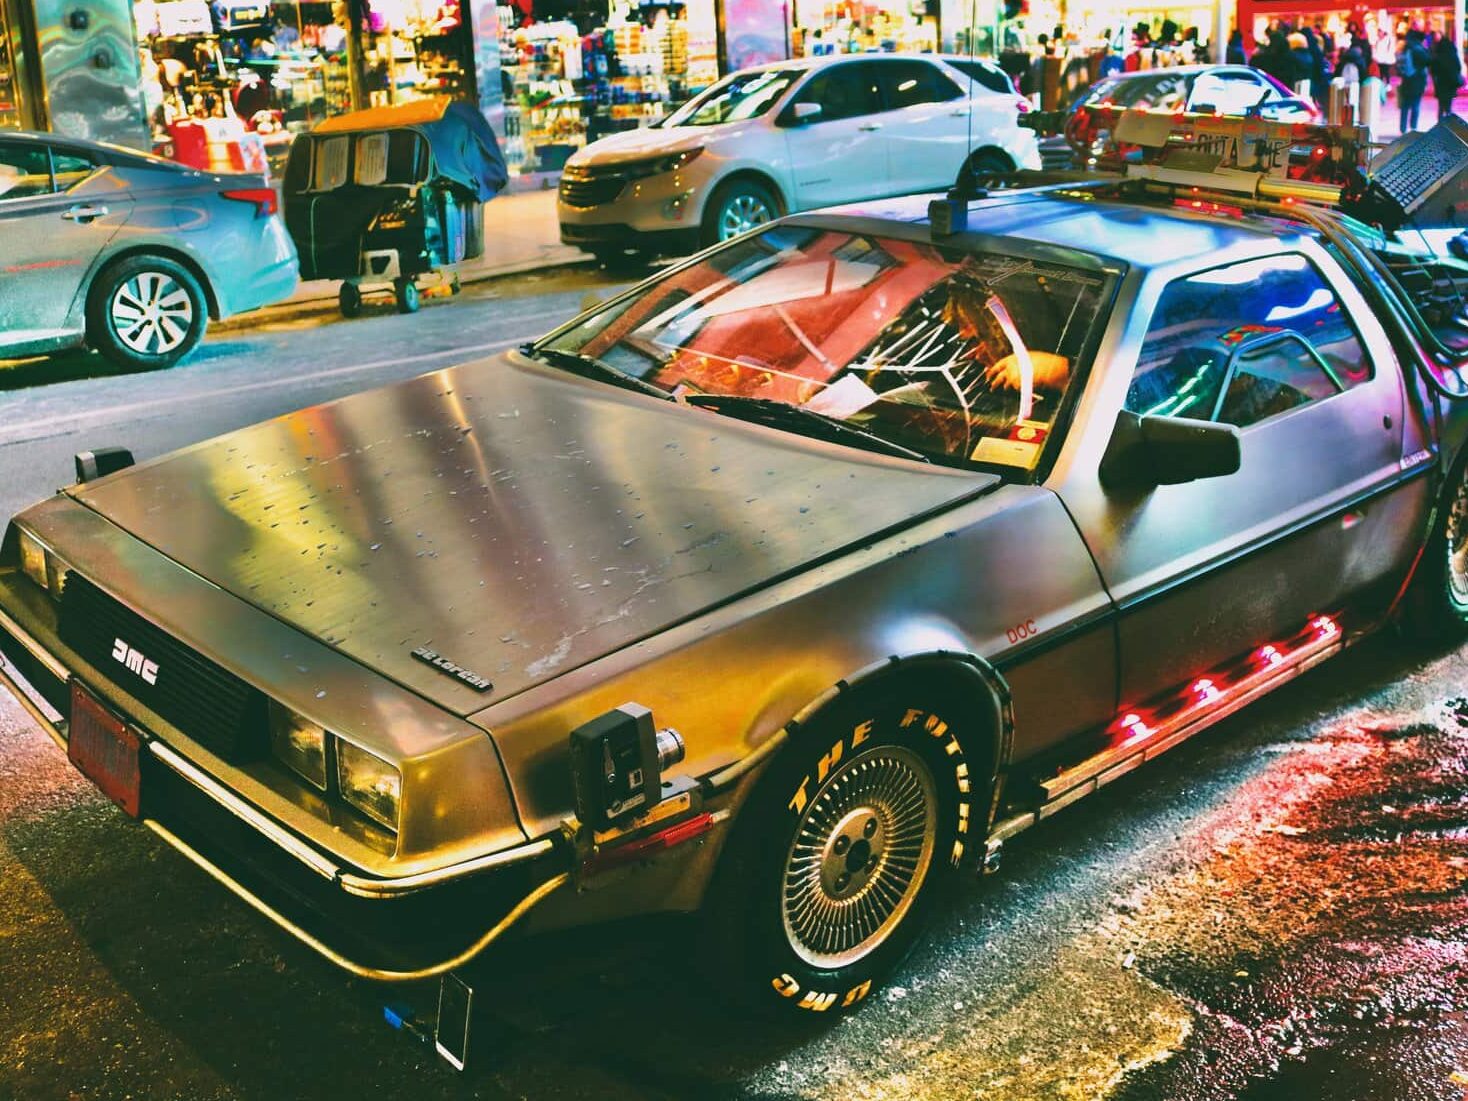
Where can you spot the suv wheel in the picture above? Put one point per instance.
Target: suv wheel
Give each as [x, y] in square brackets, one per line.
[840, 854]
[146, 311]
[737, 207]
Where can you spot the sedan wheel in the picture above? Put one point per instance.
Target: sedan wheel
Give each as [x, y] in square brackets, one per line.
[146, 311]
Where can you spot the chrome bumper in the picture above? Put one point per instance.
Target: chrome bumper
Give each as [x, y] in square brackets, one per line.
[40, 702]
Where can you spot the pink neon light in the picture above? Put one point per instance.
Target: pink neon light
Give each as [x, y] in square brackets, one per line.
[1325, 626]
[1268, 655]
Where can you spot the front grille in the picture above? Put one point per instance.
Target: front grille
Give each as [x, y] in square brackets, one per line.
[206, 702]
[586, 187]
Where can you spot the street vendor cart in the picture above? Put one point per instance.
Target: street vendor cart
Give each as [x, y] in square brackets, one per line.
[392, 197]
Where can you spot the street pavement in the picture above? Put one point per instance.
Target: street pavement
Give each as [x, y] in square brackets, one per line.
[1274, 910]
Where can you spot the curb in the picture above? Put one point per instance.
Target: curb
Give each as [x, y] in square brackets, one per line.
[297, 309]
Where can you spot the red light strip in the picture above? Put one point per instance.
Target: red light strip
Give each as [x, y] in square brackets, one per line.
[645, 848]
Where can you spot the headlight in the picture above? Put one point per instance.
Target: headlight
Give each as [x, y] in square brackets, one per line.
[298, 744]
[41, 564]
[32, 558]
[369, 783]
[638, 170]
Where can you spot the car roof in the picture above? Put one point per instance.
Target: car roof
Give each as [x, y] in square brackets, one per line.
[1188, 70]
[836, 59]
[1140, 235]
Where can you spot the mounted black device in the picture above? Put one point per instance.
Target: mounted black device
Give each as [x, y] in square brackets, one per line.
[98, 463]
[614, 766]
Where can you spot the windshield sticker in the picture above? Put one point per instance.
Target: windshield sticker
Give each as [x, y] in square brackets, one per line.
[1009, 452]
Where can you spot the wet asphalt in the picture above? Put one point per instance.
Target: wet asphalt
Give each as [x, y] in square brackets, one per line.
[1276, 909]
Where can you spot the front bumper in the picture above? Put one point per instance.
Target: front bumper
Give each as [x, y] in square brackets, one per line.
[384, 928]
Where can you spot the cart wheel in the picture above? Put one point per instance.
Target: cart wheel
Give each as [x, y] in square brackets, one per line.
[406, 292]
[349, 300]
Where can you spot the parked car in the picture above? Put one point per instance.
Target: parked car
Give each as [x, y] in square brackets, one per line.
[1234, 90]
[129, 253]
[792, 136]
[783, 584]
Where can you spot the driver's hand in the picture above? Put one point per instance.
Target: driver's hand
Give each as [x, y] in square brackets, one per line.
[1050, 371]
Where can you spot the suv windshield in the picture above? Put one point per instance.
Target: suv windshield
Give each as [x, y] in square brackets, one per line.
[958, 355]
[741, 96]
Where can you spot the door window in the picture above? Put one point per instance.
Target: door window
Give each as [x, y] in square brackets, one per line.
[70, 168]
[1244, 342]
[909, 83]
[843, 92]
[25, 170]
[987, 76]
[1227, 92]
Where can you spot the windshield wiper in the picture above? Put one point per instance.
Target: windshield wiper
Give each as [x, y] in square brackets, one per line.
[590, 367]
[780, 414]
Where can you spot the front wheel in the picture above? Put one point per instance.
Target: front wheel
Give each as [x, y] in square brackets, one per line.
[1436, 607]
[737, 207]
[840, 855]
[146, 312]
[349, 300]
[405, 291]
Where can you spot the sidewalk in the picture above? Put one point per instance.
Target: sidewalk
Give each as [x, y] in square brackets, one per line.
[521, 234]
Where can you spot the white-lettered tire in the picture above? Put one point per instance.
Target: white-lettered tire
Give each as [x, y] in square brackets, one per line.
[841, 852]
[1436, 606]
[146, 312]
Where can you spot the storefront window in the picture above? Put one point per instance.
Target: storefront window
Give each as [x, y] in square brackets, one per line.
[573, 75]
[851, 27]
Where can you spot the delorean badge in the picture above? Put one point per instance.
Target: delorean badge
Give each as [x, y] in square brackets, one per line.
[458, 672]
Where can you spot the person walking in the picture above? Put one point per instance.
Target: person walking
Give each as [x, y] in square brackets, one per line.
[1234, 54]
[1319, 72]
[1412, 64]
[1446, 69]
[1301, 67]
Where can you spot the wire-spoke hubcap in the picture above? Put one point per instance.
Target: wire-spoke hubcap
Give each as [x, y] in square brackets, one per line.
[151, 313]
[1457, 531]
[861, 852]
[742, 213]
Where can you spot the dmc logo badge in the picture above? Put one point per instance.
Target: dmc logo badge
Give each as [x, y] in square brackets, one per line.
[135, 661]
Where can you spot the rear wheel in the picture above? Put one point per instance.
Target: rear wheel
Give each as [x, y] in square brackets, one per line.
[1436, 607]
[737, 207]
[405, 291]
[840, 855]
[146, 311]
[983, 166]
[349, 300]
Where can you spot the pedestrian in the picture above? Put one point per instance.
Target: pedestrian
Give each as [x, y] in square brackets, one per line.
[1319, 69]
[1233, 54]
[1446, 68]
[1412, 64]
[1301, 65]
[1384, 53]
[1274, 58]
[1141, 47]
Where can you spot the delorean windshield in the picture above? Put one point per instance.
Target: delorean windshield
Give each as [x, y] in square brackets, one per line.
[962, 356]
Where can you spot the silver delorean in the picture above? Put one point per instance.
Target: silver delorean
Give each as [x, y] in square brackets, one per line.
[780, 586]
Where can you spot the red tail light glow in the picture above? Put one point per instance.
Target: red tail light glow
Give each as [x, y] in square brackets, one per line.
[265, 200]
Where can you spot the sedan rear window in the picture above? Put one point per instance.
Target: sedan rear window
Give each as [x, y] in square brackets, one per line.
[962, 356]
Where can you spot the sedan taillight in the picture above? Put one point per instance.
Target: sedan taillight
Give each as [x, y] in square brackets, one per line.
[265, 200]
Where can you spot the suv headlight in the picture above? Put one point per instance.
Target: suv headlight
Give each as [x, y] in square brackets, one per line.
[369, 784]
[640, 170]
[299, 744]
[41, 564]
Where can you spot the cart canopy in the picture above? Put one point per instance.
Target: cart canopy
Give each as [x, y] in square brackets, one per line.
[461, 146]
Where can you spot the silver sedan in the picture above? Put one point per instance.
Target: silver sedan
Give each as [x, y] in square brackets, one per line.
[129, 253]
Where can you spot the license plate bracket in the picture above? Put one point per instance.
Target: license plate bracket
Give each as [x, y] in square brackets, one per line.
[105, 750]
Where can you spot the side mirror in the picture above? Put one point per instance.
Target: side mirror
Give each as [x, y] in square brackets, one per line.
[805, 112]
[1156, 451]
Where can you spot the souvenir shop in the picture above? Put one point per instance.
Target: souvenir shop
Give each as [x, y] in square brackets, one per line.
[229, 83]
[572, 74]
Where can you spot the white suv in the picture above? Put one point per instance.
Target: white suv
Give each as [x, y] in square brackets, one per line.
[790, 136]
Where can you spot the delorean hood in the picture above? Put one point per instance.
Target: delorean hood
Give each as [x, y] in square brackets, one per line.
[515, 521]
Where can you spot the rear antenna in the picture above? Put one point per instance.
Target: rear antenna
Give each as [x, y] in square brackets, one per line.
[949, 215]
